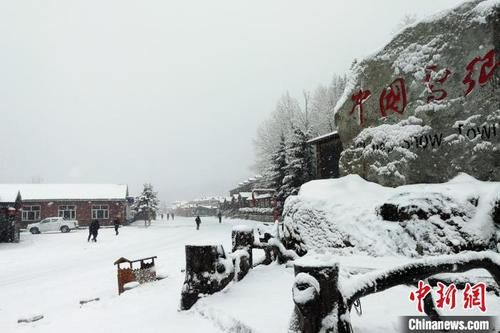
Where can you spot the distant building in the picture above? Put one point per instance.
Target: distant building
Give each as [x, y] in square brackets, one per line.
[83, 202]
[10, 215]
[247, 185]
[327, 150]
[207, 206]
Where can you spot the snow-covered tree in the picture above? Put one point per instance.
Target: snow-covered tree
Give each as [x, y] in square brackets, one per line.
[146, 203]
[315, 114]
[276, 172]
[280, 122]
[323, 104]
[299, 166]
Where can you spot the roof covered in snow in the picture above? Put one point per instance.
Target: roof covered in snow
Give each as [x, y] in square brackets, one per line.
[8, 195]
[324, 137]
[66, 191]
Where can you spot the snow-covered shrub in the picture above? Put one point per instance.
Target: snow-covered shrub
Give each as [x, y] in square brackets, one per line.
[350, 214]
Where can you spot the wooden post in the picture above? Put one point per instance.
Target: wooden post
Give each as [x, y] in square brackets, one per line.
[316, 296]
[243, 238]
[207, 271]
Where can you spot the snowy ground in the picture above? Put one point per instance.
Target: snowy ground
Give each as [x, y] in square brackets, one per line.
[50, 273]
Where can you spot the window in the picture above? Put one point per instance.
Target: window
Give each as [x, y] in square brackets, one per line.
[100, 212]
[31, 213]
[67, 212]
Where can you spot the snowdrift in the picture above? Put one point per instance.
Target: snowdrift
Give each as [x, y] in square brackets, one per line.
[352, 215]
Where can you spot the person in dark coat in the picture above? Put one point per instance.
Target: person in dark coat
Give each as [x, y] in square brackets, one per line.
[93, 230]
[172, 216]
[198, 222]
[168, 216]
[220, 217]
[116, 223]
[90, 231]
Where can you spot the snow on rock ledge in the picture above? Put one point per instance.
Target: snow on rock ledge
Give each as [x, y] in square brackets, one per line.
[345, 215]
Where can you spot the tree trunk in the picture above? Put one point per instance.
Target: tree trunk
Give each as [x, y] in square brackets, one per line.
[207, 271]
[327, 301]
[243, 239]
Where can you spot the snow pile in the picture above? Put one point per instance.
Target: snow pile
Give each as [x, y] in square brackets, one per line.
[256, 210]
[242, 228]
[305, 289]
[351, 287]
[350, 215]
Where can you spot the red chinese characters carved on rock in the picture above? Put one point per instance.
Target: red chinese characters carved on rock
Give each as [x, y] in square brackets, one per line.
[488, 66]
[430, 84]
[358, 99]
[393, 98]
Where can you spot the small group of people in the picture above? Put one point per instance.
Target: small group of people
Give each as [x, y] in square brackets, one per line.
[95, 226]
[168, 216]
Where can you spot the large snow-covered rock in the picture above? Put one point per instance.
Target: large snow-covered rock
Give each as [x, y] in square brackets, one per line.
[434, 137]
[352, 215]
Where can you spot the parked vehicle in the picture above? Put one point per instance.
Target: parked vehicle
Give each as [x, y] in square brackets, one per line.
[53, 224]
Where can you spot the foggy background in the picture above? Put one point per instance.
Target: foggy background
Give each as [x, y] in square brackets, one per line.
[166, 92]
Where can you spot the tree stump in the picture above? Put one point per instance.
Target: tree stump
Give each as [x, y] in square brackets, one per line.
[316, 296]
[243, 238]
[269, 255]
[241, 261]
[207, 271]
[495, 214]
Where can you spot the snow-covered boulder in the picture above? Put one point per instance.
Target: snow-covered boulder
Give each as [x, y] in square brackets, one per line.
[352, 215]
[430, 102]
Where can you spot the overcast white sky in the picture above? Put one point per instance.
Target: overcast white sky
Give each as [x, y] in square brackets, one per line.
[167, 92]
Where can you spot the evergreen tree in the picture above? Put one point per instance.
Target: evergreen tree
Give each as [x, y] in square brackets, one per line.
[146, 203]
[276, 171]
[299, 164]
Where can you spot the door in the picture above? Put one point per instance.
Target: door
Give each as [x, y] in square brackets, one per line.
[45, 225]
[54, 224]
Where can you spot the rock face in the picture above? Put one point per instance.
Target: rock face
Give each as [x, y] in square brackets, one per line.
[427, 106]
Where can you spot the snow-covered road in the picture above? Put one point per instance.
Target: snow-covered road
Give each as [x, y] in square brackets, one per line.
[49, 274]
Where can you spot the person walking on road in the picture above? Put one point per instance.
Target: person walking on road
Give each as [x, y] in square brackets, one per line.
[198, 222]
[93, 230]
[168, 216]
[172, 215]
[116, 223]
[220, 216]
